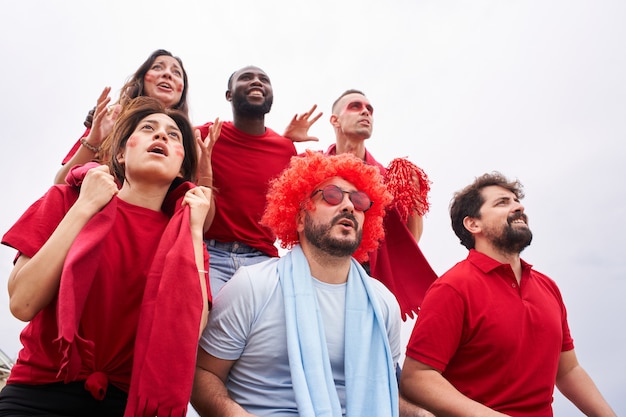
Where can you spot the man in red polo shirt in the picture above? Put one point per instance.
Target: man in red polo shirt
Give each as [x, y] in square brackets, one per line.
[492, 336]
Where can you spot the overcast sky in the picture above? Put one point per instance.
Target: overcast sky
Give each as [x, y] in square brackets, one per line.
[534, 89]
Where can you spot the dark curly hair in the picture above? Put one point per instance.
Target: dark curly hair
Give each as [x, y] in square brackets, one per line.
[468, 201]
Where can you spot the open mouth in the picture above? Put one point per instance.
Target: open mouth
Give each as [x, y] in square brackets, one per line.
[346, 223]
[165, 86]
[158, 149]
[256, 92]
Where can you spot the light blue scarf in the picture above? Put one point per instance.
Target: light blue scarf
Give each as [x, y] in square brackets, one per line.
[371, 385]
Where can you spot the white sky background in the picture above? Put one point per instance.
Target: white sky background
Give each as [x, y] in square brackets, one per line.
[533, 89]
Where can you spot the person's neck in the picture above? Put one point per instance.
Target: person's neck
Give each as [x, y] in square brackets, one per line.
[327, 268]
[499, 255]
[355, 146]
[251, 126]
[148, 196]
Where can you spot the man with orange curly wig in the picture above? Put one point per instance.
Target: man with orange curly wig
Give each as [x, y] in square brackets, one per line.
[311, 333]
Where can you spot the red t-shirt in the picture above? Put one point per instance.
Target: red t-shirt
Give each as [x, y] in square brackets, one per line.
[497, 342]
[243, 166]
[72, 151]
[113, 304]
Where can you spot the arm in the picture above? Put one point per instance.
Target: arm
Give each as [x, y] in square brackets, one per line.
[415, 221]
[205, 169]
[209, 396]
[408, 409]
[423, 385]
[415, 224]
[199, 200]
[103, 121]
[298, 128]
[577, 386]
[34, 282]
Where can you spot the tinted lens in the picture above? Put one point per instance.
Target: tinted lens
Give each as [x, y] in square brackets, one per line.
[360, 200]
[332, 194]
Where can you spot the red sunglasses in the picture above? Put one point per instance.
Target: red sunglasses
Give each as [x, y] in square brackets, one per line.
[333, 195]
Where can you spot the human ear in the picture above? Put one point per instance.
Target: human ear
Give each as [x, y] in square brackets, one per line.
[472, 224]
[334, 120]
[300, 221]
[228, 95]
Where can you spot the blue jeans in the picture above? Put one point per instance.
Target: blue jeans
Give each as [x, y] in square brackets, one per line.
[226, 258]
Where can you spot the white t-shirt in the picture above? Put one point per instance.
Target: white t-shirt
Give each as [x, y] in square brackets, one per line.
[247, 324]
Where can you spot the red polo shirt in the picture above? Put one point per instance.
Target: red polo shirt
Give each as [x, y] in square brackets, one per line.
[496, 341]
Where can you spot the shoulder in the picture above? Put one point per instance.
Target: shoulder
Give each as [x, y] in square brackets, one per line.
[257, 280]
[272, 135]
[546, 281]
[458, 271]
[370, 160]
[385, 297]
[204, 129]
[58, 198]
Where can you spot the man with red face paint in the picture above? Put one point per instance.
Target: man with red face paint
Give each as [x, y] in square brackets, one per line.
[245, 158]
[398, 262]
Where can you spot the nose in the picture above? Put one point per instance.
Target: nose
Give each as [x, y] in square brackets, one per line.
[160, 134]
[167, 72]
[347, 204]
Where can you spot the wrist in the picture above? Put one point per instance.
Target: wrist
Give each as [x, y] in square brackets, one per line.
[86, 144]
[205, 182]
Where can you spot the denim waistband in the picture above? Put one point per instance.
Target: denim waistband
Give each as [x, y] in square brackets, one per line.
[234, 247]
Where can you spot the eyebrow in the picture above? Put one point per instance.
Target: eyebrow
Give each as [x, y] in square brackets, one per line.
[163, 62]
[505, 199]
[168, 126]
[368, 106]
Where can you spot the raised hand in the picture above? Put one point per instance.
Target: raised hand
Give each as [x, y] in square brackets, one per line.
[298, 128]
[103, 119]
[205, 149]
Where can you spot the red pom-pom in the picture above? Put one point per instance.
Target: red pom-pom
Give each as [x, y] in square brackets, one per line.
[409, 186]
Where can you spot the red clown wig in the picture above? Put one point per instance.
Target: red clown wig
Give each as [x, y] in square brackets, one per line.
[290, 193]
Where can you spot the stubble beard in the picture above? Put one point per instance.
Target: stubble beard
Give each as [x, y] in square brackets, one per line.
[255, 111]
[510, 239]
[319, 235]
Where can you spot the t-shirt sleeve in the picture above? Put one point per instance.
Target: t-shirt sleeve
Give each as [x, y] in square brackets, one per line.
[72, 151]
[391, 310]
[40, 220]
[439, 327]
[230, 319]
[568, 341]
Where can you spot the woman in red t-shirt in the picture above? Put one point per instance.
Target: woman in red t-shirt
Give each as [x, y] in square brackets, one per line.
[113, 280]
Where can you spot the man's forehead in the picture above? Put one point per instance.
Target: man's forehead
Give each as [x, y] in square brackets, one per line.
[492, 192]
[348, 98]
[338, 181]
[249, 70]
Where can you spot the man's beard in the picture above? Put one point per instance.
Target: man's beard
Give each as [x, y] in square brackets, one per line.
[319, 236]
[244, 108]
[510, 239]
